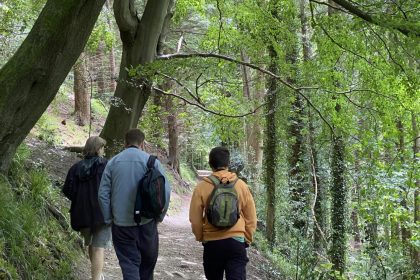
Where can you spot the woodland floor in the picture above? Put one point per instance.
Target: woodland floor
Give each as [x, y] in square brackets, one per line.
[180, 256]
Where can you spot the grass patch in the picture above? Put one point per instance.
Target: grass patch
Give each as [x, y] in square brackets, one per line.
[47, 129]
[33, 244]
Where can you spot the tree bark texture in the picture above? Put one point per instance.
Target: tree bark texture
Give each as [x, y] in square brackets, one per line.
[405, 232]
[356, 199]
[270, 149]
[31, 78]
[112, 84]
[298, 188]
[139, 38]
[172, 133]
[252, 126]
[81, 93]
[338, 207]
[320, 192]
[100, 68]
[319, 187]
[416, 151]
[297, 178]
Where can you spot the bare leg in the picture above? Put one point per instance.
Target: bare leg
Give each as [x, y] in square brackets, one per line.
[97, 261]
[89, 250]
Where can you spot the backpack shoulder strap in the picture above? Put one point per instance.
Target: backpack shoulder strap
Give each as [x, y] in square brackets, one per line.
[215, 181]
[151, 162]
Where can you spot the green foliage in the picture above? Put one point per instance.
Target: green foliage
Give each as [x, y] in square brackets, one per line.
[104, 33]
[17, 18]
[99, 108]
[33, 244]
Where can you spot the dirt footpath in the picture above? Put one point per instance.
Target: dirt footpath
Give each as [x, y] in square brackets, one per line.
[180, 256]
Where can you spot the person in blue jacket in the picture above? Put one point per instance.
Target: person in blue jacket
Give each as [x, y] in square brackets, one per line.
[81, 187]
[136, 245]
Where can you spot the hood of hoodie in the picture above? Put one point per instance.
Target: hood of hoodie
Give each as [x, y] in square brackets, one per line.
[224, 176]
[87, 168]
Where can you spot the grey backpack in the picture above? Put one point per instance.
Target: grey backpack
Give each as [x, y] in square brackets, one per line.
[222, 209]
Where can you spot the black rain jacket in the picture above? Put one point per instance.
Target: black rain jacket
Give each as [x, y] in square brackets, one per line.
[81, 187]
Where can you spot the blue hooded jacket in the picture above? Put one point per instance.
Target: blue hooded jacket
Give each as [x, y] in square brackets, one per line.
[118, 188]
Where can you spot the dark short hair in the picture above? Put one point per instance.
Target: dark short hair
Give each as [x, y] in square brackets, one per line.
[134, 137]
[219, 157]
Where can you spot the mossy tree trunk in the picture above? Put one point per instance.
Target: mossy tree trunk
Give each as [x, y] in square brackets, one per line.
[31, 78]
[416, 150]
[140, 39]
[270, 149]
[338, 249]
[338, 207]
[297, 180]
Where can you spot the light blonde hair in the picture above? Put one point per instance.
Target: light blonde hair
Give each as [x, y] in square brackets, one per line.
[93, 145]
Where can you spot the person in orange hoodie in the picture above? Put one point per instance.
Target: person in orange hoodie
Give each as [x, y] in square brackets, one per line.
[224, 248]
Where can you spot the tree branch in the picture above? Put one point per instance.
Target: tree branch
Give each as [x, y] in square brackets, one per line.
[318, 112]
[250, 65]
[125, 15]
[384, 22]
[196, 98]
[206, 109]
[231, 59]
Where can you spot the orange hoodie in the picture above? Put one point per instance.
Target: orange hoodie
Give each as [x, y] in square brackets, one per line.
[203, 230]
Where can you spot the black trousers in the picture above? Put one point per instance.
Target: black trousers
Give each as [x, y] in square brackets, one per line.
[225, 256]
[137, 250]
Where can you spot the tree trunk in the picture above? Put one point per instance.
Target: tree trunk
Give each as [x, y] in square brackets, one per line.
[31, 78]
[81, 93]
[297, 179]
[338, 249]
[416, 151]
[339, 204]
[255, 140]
[305, 29]
[270, 149]
[100, 69]
[112, 84]
[158, 118]
[252, 127]
[140, 39]
[405, 232]
[319, 190]
[296, 164]
[172, 134]
[355, 211]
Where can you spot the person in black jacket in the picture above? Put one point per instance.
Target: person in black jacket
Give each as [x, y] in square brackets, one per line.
[81, 187]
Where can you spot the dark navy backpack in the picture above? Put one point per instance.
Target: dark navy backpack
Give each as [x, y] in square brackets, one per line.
[150, 198]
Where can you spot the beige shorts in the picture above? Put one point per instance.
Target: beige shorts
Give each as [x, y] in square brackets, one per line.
[98, 237]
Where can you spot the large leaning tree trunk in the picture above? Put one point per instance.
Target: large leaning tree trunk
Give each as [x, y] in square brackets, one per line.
[140, 38]
[31, 78]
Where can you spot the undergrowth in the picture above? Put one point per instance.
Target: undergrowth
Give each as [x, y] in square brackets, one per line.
[33, 244]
